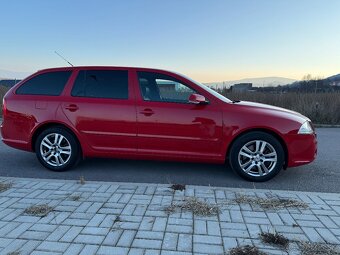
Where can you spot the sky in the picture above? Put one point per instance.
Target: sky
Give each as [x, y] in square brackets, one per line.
[208, 40]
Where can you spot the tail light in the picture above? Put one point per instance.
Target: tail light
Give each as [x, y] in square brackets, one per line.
[4, 108]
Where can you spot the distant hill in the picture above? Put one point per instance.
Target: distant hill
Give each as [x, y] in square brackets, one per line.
[334, 77]
[6, 74]
[257, 82]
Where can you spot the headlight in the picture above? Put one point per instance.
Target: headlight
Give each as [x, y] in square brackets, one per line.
[306, 129]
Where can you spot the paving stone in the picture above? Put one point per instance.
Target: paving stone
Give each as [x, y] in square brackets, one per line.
[207, 239]
[200, 227]
[35, 235]
[74, 249]
[170, 241]
[148, 244]
[179, 229]
[58, 233]
[328, 236]
[89, 239]
[184, 242]
[15, 233]
[207, 248]
[229, 243]
[53, 246]
[235, 233]
[89, 250]
[150, 235]
[95, 231]
[213, 228]
[312, 234]
[29, 247]
[126, 238]
[108, 250]
[71, 234]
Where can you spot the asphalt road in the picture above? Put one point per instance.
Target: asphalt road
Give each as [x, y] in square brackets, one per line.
[323, 175]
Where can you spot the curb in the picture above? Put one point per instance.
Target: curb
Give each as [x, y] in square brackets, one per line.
[326, 126]
[5, 178]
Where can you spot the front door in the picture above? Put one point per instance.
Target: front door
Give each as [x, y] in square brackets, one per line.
[170, 126]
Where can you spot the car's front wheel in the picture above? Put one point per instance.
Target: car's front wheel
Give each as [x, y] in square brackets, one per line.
[256, 156]
[57, 149]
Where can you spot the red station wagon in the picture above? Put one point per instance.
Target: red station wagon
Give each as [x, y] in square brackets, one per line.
[67, 114]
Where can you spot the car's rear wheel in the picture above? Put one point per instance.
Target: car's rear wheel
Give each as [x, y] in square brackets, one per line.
[57, 149]
[257, 156]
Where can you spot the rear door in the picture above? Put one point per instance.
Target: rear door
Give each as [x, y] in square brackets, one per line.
[101, 107]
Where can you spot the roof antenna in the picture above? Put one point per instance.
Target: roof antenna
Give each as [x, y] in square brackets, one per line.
[63, 58]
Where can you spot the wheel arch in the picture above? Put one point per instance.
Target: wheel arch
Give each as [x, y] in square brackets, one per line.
[264, 130]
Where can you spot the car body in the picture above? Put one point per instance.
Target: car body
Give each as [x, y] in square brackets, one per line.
[152, 114]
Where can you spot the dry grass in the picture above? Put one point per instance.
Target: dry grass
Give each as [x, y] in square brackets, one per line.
[321, 108]
[116, 223]
[38, 210]
[270, 203]
[246, 250]
[5, 186]
[179, 187]
[195, 206]
[318, 249]
[75, 197]
[81, 180]
[13, 253]
[3, 91]
[274, 239]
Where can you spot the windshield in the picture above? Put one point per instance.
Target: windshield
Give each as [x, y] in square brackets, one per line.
[209, 90]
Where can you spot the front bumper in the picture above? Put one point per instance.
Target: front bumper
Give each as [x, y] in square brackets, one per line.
[302, 149]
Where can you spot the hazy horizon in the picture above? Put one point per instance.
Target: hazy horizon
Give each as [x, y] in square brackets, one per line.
[208, 41]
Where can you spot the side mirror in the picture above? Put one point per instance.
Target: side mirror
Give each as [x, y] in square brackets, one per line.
[197, 99]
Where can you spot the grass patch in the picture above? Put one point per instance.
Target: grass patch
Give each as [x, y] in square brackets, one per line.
[14, 253]
[270, 203]
[179, 187]
[38, 210]
[308, 248]
[195, 206]
[75, 197]
[246, 250]
[5, 186]
[274, 239]
[81, 180]
[116, 223]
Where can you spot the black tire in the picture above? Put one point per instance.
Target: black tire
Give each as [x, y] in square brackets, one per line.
[236, 159]
[70, 141]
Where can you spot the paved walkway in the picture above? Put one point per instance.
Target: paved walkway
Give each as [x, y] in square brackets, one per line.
[120, 218]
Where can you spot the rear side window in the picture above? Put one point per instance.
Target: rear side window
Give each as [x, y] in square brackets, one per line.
[49, 84]
[111, 84]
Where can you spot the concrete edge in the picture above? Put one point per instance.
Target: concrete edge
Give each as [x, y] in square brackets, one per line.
[326, 126]
[245, 190]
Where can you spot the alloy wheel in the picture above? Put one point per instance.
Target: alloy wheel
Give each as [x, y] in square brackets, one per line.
[257, 158]
[55, 149]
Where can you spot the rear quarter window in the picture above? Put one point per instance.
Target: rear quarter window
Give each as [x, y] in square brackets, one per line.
[49, 84]
[112, 84]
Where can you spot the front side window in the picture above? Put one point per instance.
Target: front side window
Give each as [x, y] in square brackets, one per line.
[48, 84]
[163, 88]
[111, 84]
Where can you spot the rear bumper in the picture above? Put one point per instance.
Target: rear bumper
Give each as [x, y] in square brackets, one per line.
[18, 144]
[302, 149]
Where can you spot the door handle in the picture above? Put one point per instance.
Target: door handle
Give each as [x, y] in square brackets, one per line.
[147, 112]
[72, 107]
